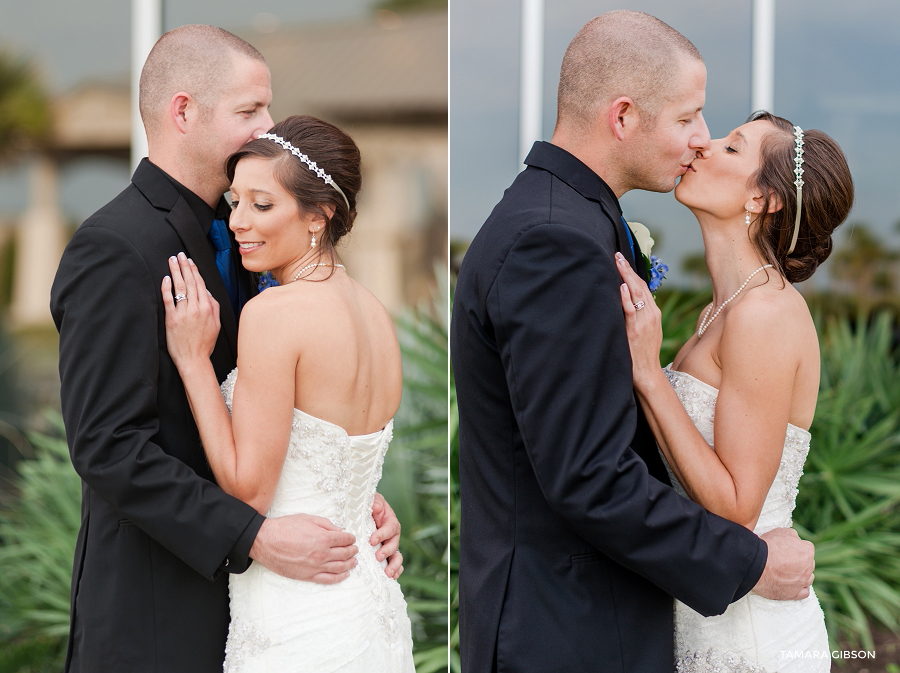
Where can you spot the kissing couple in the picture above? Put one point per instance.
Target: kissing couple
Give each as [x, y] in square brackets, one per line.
[617, 516]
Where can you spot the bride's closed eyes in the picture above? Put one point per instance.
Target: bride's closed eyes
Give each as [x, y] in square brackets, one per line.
[259, 206]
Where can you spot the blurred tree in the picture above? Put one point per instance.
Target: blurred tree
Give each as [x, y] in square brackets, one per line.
[24, 109]
[865, 264]
[24, 125]
[410, 5]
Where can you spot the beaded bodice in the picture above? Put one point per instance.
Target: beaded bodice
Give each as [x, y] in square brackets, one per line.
[326, 471]
[699, 400]
[357, 625]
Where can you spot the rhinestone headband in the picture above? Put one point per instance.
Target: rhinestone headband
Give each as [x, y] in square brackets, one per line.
[309, 162]
[798, 181]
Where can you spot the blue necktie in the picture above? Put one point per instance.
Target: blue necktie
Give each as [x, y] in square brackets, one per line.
[630, 239]
[218, 235]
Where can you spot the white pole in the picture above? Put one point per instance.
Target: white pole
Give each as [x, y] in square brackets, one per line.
[763, 89]
[532, 72]
[146, 28]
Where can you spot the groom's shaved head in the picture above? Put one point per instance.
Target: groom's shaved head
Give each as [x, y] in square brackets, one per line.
[620, 53]
[196, 59]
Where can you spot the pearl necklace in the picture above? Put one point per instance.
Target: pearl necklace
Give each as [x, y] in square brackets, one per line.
[309, 266]
[706, 323]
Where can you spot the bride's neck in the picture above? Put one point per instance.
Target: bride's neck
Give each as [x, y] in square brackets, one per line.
[730, 255]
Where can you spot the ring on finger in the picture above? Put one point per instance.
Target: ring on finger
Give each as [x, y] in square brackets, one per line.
[181, 296]
[639, 305]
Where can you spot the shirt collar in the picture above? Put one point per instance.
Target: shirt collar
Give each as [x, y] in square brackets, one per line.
[574, 172]
[204, 214]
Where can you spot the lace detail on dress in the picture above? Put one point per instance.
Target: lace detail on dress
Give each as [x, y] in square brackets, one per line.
[379, 583]
[359, 625]
[713, 662]
[796, 449]
[326, 451]
[753, 632]
[697, 400]
[243, 641]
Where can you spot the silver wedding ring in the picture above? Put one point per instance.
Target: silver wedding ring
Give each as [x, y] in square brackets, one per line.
[180, 297]
[639, 305]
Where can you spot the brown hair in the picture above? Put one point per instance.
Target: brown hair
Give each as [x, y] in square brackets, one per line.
[333, 151]
[621, 53]
[827, 198]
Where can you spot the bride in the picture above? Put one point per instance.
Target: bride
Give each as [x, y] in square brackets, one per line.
[767, 198]
[311, 411]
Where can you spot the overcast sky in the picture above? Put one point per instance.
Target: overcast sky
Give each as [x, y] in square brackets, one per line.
[75, 40]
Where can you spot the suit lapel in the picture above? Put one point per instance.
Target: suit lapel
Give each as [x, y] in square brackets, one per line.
[639, 266]
[622, 242]
[183, 220]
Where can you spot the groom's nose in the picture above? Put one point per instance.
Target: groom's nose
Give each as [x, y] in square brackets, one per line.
[700, 139]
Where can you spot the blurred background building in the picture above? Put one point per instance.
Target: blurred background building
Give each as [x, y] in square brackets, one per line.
[376, 69]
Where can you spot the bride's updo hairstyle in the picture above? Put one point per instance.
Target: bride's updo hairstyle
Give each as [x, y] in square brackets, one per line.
[333, 151]
[827, 198]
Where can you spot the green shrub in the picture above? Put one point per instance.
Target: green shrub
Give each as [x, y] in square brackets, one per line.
[414, 479]
[849, 494]
[38, 544]
[37, 535]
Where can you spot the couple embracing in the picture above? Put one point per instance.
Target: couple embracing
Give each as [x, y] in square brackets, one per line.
[595, 486]
[259, 496]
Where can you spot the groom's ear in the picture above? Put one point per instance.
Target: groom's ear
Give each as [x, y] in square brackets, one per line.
[181, 107]
[623, 117]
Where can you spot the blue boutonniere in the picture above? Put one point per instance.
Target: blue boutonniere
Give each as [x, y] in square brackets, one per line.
[266, 279]
[656, 270]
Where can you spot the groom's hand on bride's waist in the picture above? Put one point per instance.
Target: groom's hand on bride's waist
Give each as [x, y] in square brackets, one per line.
[387, 534]
[789, 566]
[305, 547]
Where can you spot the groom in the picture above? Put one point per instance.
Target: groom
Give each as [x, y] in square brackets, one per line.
[573, 544]
[158, 538]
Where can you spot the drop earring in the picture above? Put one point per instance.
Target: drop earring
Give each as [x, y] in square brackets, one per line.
[747, 218]
[312, 242]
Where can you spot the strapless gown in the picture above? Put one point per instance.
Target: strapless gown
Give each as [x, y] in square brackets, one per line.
[755, 634]
[360, 625]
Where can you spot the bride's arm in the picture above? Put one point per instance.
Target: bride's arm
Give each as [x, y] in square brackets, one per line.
[752, 408]
[245, 450]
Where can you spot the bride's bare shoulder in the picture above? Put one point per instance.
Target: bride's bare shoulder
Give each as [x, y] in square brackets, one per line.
[770, 317]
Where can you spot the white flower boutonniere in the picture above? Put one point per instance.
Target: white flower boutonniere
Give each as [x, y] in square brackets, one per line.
[643, 237]
[656, 270]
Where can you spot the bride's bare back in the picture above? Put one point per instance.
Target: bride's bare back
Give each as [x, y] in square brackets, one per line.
[348, 370]
[335, 346]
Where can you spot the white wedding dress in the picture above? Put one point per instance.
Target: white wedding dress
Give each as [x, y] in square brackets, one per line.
[755, 634]
[359, 625]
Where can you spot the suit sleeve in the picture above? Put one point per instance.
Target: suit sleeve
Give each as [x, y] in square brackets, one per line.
[561, 333]
[104, 303]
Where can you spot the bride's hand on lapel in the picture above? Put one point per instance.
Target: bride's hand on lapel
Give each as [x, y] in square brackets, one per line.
[643, 323]
[192, 315]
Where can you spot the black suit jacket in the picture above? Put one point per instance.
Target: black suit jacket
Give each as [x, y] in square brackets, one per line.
[572, 543]
[148, 592]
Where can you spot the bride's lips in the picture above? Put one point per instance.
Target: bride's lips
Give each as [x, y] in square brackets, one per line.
[688, 168]
[248, 247]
